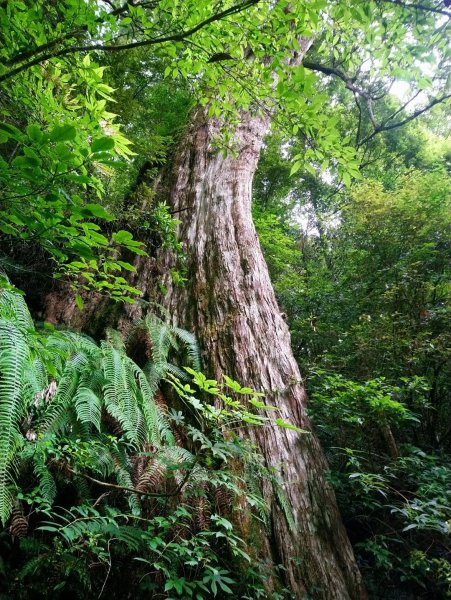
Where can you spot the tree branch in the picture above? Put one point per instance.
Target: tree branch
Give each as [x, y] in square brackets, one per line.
[359, 125]
[423, 7]
[176, 37]
[414, 115]
[368, 97]
[121, 488]
[347, 79]
[83, 29]
[42, 48]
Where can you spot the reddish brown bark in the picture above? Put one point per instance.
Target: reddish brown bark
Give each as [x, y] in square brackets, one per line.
[228, 301]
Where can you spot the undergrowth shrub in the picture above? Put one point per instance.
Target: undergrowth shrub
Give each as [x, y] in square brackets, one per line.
[395, 496]
[121, 479]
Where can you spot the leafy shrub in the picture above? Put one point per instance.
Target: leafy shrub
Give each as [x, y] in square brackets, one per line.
[395, 497]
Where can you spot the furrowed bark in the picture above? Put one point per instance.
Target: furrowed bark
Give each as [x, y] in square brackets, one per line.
[229, 302]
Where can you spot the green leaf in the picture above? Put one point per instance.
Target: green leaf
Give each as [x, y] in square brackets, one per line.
[63, 133]
[346, 178]
[127, 266]
[96, 210]
[295, 168]
[79, 302]
[26, 161]
[285, 425]
[102, 144]
[62, 151]
[11, 131]
[34, 132]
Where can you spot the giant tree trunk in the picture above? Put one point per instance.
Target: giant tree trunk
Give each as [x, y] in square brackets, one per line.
[228, 301]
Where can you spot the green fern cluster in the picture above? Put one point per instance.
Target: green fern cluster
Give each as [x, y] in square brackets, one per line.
[89, 444]
[61, 383]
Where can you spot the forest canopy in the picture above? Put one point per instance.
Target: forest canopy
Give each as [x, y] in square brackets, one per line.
[155, 438]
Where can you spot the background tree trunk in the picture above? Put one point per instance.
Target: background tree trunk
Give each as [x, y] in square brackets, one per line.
[229, 302]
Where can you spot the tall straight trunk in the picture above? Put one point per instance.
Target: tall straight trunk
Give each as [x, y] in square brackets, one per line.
[229, 302]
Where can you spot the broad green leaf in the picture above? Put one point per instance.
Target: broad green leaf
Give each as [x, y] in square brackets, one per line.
[63, 133]
[102, 144]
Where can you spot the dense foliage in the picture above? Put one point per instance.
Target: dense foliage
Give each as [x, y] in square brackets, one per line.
[60, 137]
[363, 275]
[97, 473]
[119, 474]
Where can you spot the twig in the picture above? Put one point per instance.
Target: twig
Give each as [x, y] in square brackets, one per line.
[122, 488]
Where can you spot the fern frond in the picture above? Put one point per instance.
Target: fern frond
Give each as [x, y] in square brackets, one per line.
[14, 355]
[57, 412]
[178, 372]
[93, 524]
[223, 499]
[120, 391]
[177, 455]
[152, 476]
[88, 407]
[177, 461]
[19, 522]
[123, 477]
[35, 378]
[102, 461]
[191, 344]
[284, 504]
[201, 506]
[75, 347]
[46, 483]
[162, 340]
[153, 376]
[164, 428]
[14, 308]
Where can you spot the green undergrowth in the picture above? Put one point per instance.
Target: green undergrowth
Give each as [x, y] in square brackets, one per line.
[119, 479]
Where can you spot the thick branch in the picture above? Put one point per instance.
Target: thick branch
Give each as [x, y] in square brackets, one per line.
[18, 58]
[176, 37]
[423, 7]
[414, 115]
[347, 79]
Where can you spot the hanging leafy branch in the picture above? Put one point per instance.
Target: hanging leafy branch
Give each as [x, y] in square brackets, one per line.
[127, 11]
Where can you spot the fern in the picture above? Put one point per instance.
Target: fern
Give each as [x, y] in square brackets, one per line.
[14, 357]
[163, 339]
[57, 413]
[145, 398]
[88, 407]
[13, 308]
[46, 482]
[124, 478]
[70, 394]
[120, 393]
[192, 347]
[79, 523]
[164, 428]
[35, 378]
[69, 347]
[283, 503]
